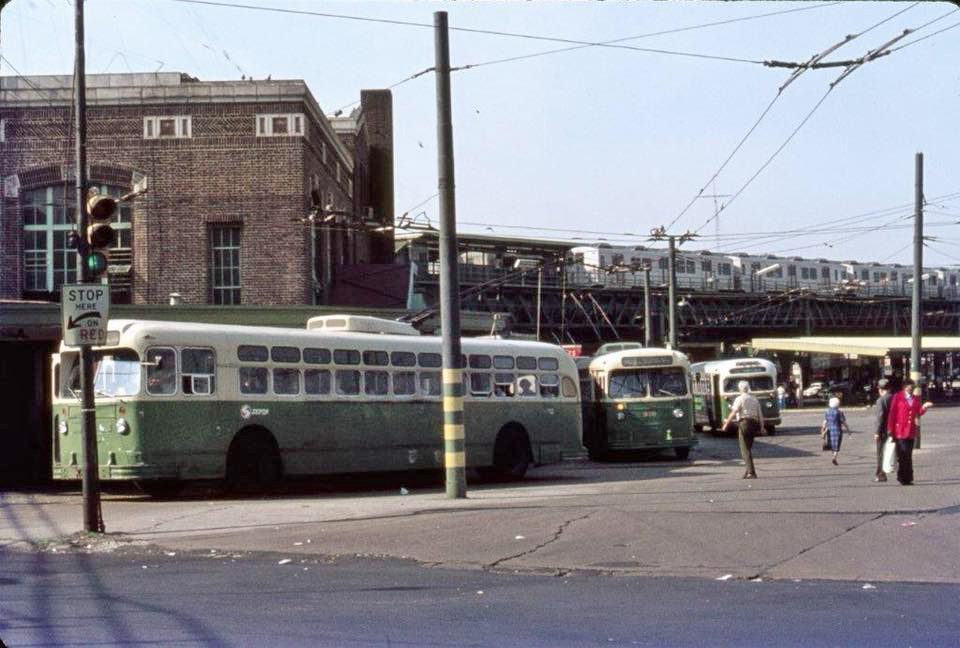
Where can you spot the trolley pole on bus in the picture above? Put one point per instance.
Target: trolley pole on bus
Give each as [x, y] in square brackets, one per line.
[92, 521]
[454, 446]
[917, 301]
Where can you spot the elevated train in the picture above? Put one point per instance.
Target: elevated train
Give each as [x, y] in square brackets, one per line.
[607, 266]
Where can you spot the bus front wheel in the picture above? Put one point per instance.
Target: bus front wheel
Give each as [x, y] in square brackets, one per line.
[253, 462]
[511, 453]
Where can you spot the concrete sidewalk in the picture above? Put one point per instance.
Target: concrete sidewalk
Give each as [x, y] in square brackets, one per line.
[804, 518]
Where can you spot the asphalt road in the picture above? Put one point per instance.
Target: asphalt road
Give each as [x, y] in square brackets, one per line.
[147, 597]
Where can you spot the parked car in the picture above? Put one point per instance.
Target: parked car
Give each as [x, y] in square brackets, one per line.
[813, 390]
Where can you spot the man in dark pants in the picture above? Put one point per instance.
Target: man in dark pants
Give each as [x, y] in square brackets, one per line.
[905, 411]
[746, 408]
[880, 436]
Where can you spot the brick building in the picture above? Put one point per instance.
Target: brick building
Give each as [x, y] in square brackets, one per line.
[232, 167]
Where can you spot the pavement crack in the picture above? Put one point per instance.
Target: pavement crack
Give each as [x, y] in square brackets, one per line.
[556, 536]
[764, 570]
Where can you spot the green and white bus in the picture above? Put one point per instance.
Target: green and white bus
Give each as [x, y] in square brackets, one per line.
[715, 388]
[638, 399]
[182, 401]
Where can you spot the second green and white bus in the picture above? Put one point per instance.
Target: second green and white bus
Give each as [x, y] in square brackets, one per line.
[182, 401]
[638, 399]
[715, 388]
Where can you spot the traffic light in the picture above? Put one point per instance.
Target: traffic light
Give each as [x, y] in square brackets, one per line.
[99, 234]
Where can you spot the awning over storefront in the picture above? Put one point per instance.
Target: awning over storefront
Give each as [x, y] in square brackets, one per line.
[865, 346]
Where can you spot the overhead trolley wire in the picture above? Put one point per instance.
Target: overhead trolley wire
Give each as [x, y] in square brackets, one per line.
[469, 30]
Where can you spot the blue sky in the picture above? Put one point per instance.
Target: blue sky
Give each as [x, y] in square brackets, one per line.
[601, 139]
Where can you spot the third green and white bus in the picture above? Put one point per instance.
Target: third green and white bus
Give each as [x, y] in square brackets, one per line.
[715, 388]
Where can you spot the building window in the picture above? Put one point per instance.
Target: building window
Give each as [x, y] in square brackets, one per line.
[49, 214]
[280, 125]
[350, 187]
[225, 265]
[323, 151]
[3, 130]
[338, 171]
[167, 127]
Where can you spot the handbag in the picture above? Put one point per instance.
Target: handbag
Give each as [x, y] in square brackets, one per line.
[825, 438]
[889, 455]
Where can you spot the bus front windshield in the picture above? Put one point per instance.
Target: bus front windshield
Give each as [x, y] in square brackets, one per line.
[757, 383]
[645, 383]
[116, 371]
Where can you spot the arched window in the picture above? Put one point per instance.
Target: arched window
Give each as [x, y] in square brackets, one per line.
[49, 213]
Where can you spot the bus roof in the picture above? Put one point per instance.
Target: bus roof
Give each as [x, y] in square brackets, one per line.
[762, 365]
[142, 333]
[635, 358]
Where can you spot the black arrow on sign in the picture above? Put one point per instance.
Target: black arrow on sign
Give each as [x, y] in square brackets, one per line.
[75, 323]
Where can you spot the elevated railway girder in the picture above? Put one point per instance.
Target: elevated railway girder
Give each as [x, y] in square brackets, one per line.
[597, 315]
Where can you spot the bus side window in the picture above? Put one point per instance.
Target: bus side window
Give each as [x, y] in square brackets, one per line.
[348, 382]
[480, 384]
[286, 381]
[161, 371]
[429, 381]
[549, 385]
[527, 384]
[198, 370]
[404, 383]
[253, 380]
[503, 384]
[526, 363]
[316, 381]
[570, 389]
[376, 383]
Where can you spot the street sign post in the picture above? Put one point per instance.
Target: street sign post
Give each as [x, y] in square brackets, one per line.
[85, 309]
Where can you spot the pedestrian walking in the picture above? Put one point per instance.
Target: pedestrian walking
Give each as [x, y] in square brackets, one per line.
[882, 407]
[746, 408]
[905, 410]
[782, 397]
[834, 422]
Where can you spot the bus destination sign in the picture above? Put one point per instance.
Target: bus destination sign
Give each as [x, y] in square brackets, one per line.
[646, 361]
[85, 310]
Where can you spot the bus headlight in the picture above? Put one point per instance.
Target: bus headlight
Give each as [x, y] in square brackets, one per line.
[121, 426]
[678, 412]
[768, 404]
[621, 416]
[62, 426]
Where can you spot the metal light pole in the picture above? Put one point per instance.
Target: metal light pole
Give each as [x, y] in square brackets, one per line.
[647, 323]
[915, 322]
[671, 289]
[453, 429]
[92, 521]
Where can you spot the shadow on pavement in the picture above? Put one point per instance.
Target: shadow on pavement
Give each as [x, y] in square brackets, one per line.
[46, 609]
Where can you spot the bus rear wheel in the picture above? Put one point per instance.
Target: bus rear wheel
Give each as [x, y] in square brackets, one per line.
[253, 463]
[511, 454]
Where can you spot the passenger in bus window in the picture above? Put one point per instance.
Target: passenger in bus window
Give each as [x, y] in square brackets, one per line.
[527, 385]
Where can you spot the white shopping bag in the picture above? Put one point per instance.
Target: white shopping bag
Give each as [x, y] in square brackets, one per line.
[889, 456]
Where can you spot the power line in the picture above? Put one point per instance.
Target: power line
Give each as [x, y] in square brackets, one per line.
[469, 30]
[663, 32]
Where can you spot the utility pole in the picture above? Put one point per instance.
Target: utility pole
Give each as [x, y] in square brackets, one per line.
[671, 289]
[647, 322]
[454, 444]
[92, 521]
[915, 323]
[539, 295]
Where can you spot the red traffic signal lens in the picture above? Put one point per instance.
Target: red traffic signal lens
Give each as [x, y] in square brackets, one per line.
[101, 208]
